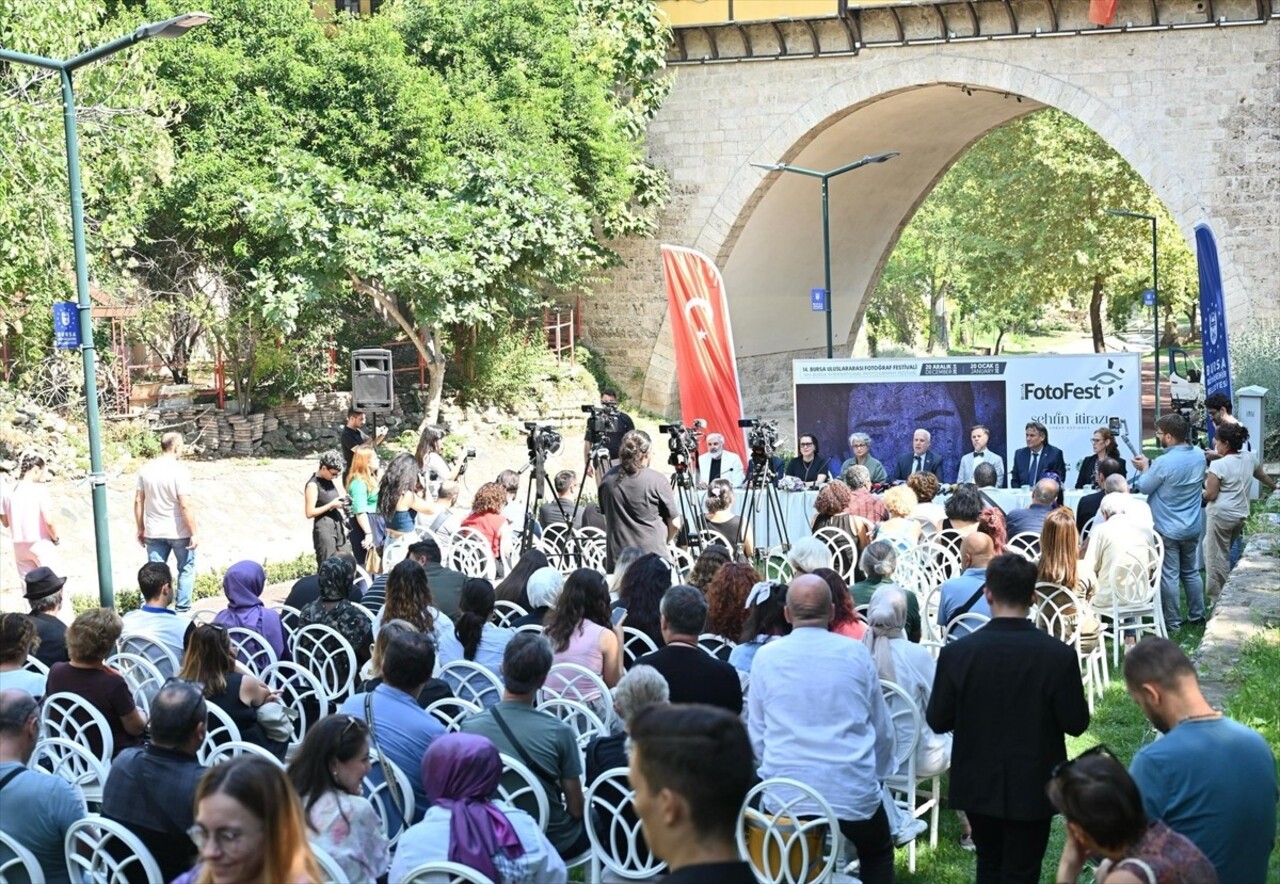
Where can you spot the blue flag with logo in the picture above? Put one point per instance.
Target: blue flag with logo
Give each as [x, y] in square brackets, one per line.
[1213, 316]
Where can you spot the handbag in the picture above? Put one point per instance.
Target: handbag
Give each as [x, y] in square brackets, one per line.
[373, 561]
[276, 721]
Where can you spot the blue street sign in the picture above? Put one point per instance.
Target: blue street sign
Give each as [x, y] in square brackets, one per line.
[818, 300]
[1148, 298]
[66, 325]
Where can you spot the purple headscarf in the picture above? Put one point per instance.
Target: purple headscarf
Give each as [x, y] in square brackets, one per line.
[459, 773]
[243, 584]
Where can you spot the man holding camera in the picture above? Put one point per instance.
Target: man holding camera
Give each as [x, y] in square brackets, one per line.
[615, 425]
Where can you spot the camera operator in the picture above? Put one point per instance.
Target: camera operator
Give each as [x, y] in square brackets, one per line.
[611, 441]
[324, 505]
[638, 505]
[717, 463]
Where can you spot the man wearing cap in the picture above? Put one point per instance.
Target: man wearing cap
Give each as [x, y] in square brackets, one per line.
[164, 515]
[44, 594]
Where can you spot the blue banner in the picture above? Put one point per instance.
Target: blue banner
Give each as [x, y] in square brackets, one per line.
[66, 325]
[1213, 317]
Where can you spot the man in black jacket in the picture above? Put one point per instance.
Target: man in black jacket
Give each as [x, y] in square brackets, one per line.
[1008, 692]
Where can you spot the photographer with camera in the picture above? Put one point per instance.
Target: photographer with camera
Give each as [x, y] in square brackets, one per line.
[325, 504]
[605, 429]
[637, 502]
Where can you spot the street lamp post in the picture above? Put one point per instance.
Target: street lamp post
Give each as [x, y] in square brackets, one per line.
[825, 178]
[170, 28]
[1155, 289]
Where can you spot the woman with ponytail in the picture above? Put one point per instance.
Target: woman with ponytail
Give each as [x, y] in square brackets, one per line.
[720, 517]
[475, 636]
[25, 513]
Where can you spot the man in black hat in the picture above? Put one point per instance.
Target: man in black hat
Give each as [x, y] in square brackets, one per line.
[44, 594]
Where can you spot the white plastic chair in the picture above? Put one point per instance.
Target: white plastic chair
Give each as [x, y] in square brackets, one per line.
[472, 682]
[586, 724]
[535, 628]
[373, 618]
[472, 554]
[505, 613]
[929, 614]
[907, 717]
[1135, 600]
[94, 853]
[333, 873]
[593, 547]
[17, 862]
[521, 788]
[713, 644]
[776, 806]
[843, 547]
[34, 665]
[153, 650]
[301, 692]
[571, 681]
[72, 717]
[376, 789]
[203, 615]
[625, 855]
[681, 562]
[251, 649]
[949, 539]
[142, 676]
[455, 873]
[234, 749]
[963, 624]
[945, 558]
[559, 545]
[289, 620]
[219, 730]
[635, 644]
[1058, 612]
[707, 537]
[451, 712]
[778, 569]
[72, 762]
[327, 655]
[1025, 544]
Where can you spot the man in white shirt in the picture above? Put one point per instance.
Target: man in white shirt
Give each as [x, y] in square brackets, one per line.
[156, 619]
[716, 463]
[164, 515]
[816, 714]
[979, 436]
[1119, 533]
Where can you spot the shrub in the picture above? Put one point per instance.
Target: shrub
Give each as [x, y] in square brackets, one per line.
[1255, 359]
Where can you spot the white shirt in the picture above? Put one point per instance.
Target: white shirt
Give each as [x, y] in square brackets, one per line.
[168, 629]
[162, 482]
[1235, 481]
[730, 468]
[816, 714]
[428, 841]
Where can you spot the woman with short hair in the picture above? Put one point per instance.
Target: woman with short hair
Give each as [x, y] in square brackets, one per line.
[879, 561]
[323, 503]
[901, 502]
[925, 486]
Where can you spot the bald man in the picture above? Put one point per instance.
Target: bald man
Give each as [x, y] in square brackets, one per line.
[1030, 519]
[962, 594]
[816, 714]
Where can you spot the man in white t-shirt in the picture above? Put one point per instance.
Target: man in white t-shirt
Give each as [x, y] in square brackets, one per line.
[165, 518]
[156, 619]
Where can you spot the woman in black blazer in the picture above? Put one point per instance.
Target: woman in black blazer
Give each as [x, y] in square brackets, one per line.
[1104, 445]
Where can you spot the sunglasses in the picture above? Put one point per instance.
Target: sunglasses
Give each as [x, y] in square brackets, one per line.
[1062, 766]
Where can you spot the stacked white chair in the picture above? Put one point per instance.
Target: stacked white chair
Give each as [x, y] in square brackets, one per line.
[98, 849]
[903, 784]
[16, 862]
[327, 655]
[792, 817]
[472, 682]
[623, 854]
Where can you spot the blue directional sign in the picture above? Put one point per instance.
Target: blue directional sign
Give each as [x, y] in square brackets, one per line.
[1148, 298]
[818, 300]
[66, 325]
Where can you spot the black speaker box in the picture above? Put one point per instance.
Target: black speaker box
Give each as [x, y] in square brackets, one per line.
[372, 389]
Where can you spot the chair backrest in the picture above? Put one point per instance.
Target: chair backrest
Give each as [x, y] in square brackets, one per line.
[327, 655]
[373, 618]
[579, 716]
[571, 681]
[72, 717]
[290, 620]
[505, 613]
[203, 615]
[153, 650]
[778, 569]
[455, 873]
[16, 862]
[945, 559]
[379, 795]
[950, 540]
[451, 712]
[219, 729]
[535, 628]
[707, 537]
[681, 562]
[72, 762]
[99, 849]
[333, 873]
[34, 665]
[142, 676]
[788, 833]
[1130, 581]
[558, 545]
[635, 644]
[963, 624]
[843, 547]
[594, 549]
[254, 651]
[1057, 612]
[472, 554]
[234, 749]
[301, 692]
[716, 645]
[619, 842]
[521, 788]
[1025, 544]
[929, 613]
[472, 682]
[907, 720]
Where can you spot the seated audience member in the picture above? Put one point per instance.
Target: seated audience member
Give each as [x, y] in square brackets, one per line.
[1208, 778]
[1104, 448]
[860, 446]
[808, 554]
[980, 455]
[435, 688]
[926, 488]
[809, 466]
[328, 773]
[1136, 507]
[1087, 506]
[211, 661]
[691, 768]
[831, 510]
[543, 588]
[443, 517]
[475, 637]
[92, 638]
[962, 510]
[901, 502]
[878, 562]
[861, 501]
[991, 523]
[727, 601]
[18, 639]
[49, 803]
[513, 511]
[965, 593]
[243, 585]
[1029, 519]
[487, 520]
[151, 791]
[625, 560]
[446, 583]
[693, 675]
[845, 620]
[721, 519]
[581, 632]
[1104, 816]
[44, 595]
[562, 510]
[460, 773]
[332, 609]
[986, 475]
[708, 564]
[409, 598]
[1059, 545]
[546, 745]
[156, 619]
[640, 594]
[515, 586]
[306, 590]
[403, 731]
[1117, 537]
[766, 621]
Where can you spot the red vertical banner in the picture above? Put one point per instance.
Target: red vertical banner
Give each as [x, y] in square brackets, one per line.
[706, 368]
[1102, 12]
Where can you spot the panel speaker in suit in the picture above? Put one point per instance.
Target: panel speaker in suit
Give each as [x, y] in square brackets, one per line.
[371, 381]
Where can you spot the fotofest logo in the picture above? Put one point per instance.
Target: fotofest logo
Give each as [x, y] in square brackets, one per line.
[1102, 385]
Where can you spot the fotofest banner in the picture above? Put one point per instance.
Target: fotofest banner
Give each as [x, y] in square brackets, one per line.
[888, 399]
[1213, 315]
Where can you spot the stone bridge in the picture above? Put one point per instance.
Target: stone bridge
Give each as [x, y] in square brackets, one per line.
[1187, 91]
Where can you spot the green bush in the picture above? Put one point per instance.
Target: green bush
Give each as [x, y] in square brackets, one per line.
[134, 436]
[1255, 359]
[508, 363]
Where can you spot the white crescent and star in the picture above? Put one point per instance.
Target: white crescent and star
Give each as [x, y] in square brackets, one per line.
[706, 306]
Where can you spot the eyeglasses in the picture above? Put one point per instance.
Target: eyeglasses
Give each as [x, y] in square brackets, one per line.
[228, 840]
[1062, 766]
[806, 444]
[859, 444]
[352, 721]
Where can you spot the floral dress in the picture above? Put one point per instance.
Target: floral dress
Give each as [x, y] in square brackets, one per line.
[347, 828]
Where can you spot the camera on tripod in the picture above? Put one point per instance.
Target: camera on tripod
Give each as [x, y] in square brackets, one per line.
[543, 439]
[682, 442]
[762, 437]
[602, 423]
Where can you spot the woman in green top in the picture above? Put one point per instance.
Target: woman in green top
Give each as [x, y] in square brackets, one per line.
[362, 487]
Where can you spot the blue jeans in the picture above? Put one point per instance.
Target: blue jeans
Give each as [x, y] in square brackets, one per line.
[158, 549]
[1181, 563]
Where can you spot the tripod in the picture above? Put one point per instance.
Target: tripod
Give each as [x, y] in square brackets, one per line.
[690, 514]
[533, 497]
[761, 479]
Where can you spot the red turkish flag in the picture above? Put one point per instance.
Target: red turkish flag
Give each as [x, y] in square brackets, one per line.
[706, 368]
[1102, 12]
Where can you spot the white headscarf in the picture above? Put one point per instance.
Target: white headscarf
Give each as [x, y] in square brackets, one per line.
[886, 616]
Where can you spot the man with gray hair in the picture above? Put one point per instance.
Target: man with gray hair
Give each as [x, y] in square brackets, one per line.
[165, 517]
[39, 807]
[860, 455]
[816, 715]
[719, 463]
[693, 675]
[1119, 534]
[861, 501]
[920, 460]
[1030, 519]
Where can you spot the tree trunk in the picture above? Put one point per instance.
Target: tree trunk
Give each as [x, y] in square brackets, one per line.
[1192, 312]
[1095, 315]
[940, 318]
[999, 338]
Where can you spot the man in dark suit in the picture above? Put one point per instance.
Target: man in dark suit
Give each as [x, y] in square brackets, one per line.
[1008, 692]
[1030, 464]
[1088, 505]
[920, 460]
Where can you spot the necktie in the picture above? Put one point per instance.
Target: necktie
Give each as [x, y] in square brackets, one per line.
[1035, 467]
[919, 467]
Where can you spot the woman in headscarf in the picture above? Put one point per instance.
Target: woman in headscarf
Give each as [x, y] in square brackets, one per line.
[544, 589]
[243, 584]
[334, 610]
[501, 842]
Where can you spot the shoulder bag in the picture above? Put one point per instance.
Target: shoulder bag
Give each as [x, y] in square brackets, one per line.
[393, 785]
[534, 766]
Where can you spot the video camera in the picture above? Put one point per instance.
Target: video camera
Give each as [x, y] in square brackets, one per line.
[543, 439]
[762, 438]
[602, 423]
[682, 442]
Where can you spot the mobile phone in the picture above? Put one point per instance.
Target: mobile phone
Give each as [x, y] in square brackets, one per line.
[618, 614]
